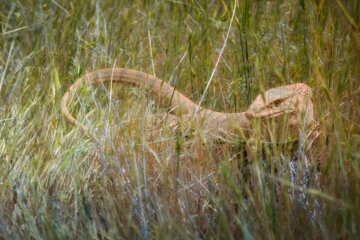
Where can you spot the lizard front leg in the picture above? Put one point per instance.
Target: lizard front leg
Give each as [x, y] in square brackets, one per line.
[251, 148]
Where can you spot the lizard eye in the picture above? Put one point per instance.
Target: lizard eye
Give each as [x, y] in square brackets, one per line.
[277, 103]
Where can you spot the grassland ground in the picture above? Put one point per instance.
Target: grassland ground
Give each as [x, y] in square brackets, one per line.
[157, 183]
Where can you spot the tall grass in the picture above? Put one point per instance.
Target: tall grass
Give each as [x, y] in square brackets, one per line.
[141, 182]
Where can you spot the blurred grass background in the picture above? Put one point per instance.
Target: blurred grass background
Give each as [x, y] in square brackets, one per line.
[56, 184]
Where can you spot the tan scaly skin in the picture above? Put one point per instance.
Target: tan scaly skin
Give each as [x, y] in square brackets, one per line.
[291, 103]
[283, 111]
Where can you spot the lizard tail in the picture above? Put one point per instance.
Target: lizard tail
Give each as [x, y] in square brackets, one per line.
[165, 92]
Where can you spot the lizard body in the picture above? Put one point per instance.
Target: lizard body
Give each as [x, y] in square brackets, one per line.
[293, 101]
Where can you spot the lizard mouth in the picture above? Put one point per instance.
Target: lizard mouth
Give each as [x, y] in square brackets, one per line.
[268, 115]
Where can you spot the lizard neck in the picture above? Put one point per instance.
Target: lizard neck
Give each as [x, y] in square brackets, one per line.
[224, 122]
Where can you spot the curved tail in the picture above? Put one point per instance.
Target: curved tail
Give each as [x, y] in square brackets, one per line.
[166, 92]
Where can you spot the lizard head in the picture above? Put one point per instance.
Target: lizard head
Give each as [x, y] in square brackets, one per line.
[290, 103]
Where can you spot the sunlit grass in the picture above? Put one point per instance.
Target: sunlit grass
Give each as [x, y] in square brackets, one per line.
[155, 182]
